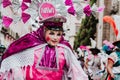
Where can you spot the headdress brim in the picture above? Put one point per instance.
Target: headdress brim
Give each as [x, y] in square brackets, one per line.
[57, 18]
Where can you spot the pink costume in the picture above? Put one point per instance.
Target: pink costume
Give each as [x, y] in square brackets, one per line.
[39, 66]
[31, 58]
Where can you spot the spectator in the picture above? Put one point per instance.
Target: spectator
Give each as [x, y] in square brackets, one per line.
[113, 66]
[93, 64]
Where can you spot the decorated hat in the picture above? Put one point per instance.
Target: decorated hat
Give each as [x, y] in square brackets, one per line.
[95, 50]
[117, 43]
[54, 23]
[50, 17]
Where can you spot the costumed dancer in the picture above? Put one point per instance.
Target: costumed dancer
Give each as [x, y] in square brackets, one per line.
[93, 64]
[42, 55]
[113, 64]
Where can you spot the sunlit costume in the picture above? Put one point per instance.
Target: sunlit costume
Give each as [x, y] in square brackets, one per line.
[31, 58]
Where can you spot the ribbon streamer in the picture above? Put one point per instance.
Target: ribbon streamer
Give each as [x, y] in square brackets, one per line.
[24, 6]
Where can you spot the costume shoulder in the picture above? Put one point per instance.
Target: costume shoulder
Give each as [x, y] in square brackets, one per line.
[20, 59]
[22, 43]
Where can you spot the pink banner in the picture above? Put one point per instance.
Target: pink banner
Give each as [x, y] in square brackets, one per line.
[6, 3]
[25, 17]
[6, 21]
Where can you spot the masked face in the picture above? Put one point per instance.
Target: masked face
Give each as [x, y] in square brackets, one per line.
[53, 37]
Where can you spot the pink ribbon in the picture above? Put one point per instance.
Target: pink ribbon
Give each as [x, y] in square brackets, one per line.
[6, 21]
[6, 3]
[24, 6]
[25, 17]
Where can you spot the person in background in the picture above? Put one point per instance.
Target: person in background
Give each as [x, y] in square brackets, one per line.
[113, 65]
[107, 49]
[93, 64]
[42, 55]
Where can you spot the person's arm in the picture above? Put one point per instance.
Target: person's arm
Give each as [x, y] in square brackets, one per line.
[109, 67]
[86, 64]
[74, 69]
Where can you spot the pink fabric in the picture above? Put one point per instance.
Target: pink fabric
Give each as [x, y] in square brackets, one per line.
[71, 10]
[87, 10]
[108, 44]
[6, 21]
[27, 1]
[33, 72]
[42, 74]
[24, 6]
[25, 17]
[68, 2]
[6, 3]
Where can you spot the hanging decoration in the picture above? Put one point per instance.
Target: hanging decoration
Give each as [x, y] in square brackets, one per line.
[6, 21]
[15, 7]
[96, 9]
[71, 10]
[25, 17]
[87, 10]
[23, 10]
[68, 2]
[24, 6]
[6, 3]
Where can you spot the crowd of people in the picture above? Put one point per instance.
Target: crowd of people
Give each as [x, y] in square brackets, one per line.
[101, 64]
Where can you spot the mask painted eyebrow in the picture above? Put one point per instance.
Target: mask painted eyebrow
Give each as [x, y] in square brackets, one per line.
[52, 33]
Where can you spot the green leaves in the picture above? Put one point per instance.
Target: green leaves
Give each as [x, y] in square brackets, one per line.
[87, 30]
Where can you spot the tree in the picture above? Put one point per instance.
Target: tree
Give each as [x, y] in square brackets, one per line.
[87, 30]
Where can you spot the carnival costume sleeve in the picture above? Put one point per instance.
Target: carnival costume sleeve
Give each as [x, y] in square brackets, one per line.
[75, 71]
